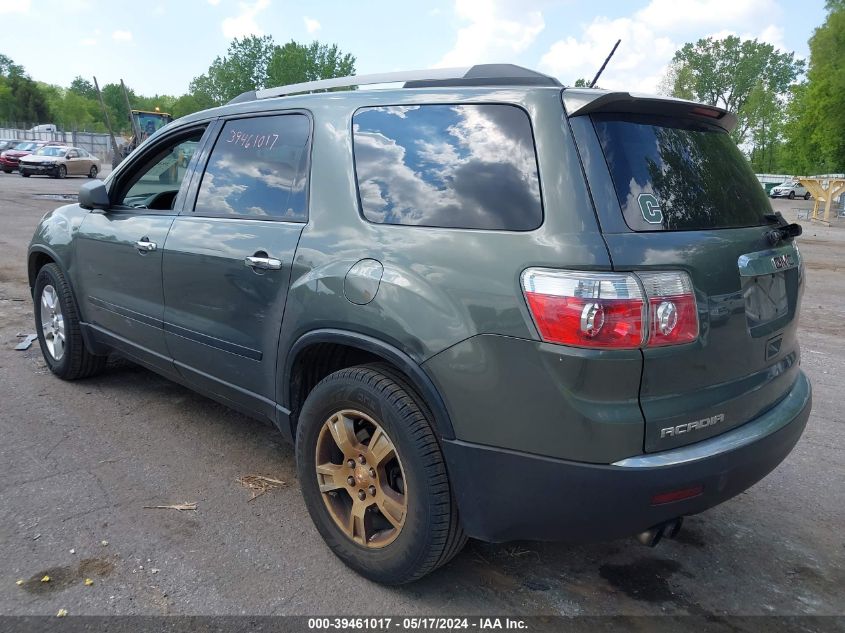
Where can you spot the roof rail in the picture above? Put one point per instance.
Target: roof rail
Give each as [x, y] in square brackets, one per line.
[478, 75]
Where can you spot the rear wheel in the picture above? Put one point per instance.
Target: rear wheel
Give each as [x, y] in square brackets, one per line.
[93, 172]
[373, 476]
[57, 325]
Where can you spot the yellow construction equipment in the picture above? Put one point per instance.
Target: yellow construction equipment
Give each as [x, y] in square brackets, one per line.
[824, 190]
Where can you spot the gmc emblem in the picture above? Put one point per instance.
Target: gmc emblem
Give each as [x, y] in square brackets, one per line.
[782, 261]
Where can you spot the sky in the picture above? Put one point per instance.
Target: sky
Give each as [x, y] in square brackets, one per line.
[158, 46]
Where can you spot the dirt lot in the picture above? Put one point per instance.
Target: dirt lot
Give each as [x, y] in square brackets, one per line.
[78, 463]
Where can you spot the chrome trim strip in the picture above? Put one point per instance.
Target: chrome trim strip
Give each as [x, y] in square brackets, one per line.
[760, 263]
[770, 422]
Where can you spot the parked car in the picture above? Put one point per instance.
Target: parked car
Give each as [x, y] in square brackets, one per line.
[9, 158]
[58, 161]
[7, 143]
[479, 305]
[790, 189]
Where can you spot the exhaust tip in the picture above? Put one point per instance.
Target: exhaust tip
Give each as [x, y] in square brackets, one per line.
[652, 536]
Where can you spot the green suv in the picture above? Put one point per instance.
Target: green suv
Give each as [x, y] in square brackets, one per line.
[481, 304]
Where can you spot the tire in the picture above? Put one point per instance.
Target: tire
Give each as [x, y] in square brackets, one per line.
[792, 195]
[25, 175]
[807, 196]
[7, 171]
[61, 172]
[93, 172]
[74, 361]
[430, 534]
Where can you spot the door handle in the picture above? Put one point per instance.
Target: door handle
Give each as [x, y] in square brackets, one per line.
[144, 245]
[262, 263]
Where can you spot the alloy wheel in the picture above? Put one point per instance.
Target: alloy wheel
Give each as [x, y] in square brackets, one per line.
[361, 479]
[52, 322]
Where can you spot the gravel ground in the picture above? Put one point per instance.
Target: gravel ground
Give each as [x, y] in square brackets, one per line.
[79, 461]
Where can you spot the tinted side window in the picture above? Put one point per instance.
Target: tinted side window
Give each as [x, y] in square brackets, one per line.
[258, 168]
[461, 166]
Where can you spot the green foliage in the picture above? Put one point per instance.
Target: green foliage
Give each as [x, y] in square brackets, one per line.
[295, 63]
[815, 130]
[244, 67]
[20, 98]
[254, 62]
[250, 63]
[581, 83]
[734, 73]
[190, 103]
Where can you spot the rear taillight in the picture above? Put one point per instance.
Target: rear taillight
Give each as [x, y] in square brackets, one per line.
[611, 310]
[585, 309]
[673, 316]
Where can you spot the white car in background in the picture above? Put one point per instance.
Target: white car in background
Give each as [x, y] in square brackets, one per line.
[790, 189]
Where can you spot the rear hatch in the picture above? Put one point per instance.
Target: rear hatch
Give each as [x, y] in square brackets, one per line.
[673, 192]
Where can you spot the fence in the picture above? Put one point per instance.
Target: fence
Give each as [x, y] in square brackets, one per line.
[95, 143]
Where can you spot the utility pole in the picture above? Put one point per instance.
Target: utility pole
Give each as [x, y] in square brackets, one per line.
[108, 121]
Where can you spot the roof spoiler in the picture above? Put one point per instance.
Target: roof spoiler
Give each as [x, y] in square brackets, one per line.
[579, 102]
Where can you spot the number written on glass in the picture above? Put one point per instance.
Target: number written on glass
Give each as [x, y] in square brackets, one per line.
[247, 140]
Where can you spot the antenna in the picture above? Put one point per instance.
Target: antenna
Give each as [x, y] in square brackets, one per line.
[607, 59]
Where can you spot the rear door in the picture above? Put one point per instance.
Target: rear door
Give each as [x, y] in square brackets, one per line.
[227, 260]
[674, 193]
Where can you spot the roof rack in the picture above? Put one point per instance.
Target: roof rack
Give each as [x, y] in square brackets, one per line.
[478, 75]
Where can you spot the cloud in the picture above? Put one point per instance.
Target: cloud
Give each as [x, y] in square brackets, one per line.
[650, 37]
[88, 41]
[244, 24]
[122, 36]
[15, 6]
[311, 25]
[497, 29]
[213, 3]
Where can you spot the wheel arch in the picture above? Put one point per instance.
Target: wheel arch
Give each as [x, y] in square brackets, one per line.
[352, 348]
[38, 257]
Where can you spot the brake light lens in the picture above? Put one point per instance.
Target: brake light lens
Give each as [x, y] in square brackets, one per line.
[673, 316]
[585, 309]
[611, 310]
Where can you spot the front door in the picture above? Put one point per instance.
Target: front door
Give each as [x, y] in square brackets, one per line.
[118, 251]
[227, 259]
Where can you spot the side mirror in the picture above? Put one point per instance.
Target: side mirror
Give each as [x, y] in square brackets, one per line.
[93, 195]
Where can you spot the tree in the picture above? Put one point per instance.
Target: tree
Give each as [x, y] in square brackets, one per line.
[727, 72]
[816, 124]
[20, 99]
[243, 68]
[254, 62]
[296, 63]
[83, 88]
[190, 103]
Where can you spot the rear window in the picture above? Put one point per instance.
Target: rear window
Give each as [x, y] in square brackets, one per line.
[676, 176]
[458, 166]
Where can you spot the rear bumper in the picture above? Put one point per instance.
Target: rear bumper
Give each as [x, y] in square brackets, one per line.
[8, 164]
[505, 495]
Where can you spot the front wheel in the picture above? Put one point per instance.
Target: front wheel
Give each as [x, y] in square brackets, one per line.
[807, 196]
[61, 172]
[24, 174]
[792, 195]
[373, 476]
[93, 172]
[57, 325]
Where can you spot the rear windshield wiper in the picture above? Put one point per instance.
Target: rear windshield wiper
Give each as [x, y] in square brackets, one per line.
[783, 230]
